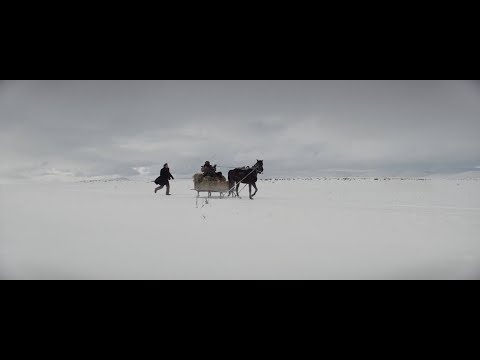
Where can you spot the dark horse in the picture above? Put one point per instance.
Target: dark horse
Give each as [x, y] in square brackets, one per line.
[246, 176]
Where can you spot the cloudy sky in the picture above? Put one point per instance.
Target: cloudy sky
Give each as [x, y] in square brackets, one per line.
[74, 129]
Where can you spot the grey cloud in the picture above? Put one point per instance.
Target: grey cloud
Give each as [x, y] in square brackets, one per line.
[297, 127]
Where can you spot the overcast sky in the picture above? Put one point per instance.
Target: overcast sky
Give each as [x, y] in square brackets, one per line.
[72, 129]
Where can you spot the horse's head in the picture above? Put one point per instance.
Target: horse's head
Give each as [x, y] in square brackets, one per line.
[259, 166]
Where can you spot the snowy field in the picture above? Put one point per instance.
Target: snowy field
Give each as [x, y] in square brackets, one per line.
[297, 229]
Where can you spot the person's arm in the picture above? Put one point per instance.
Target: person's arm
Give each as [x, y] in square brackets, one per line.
[171, 176]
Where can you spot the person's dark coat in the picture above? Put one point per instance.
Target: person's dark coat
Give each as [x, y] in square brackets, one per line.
[164, 177]
[209, 170]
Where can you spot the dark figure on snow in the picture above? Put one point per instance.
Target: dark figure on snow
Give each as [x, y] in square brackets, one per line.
[163, 179]
[209, 170]
[245, 175]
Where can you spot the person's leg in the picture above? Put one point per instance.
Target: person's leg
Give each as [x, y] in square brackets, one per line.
[158, 188]
[168, 188]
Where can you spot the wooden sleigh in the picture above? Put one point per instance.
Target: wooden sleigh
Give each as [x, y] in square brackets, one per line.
[210, 185]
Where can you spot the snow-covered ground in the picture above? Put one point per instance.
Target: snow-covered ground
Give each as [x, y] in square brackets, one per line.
[297, 229]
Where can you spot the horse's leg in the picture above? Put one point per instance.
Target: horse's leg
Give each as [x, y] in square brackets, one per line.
[232, 189]
[256, 189]
[250, 191]
[238, 185]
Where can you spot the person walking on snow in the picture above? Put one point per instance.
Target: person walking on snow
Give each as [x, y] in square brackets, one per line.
[163, 179]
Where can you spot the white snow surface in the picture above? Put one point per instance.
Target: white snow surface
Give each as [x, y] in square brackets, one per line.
[315, 228]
